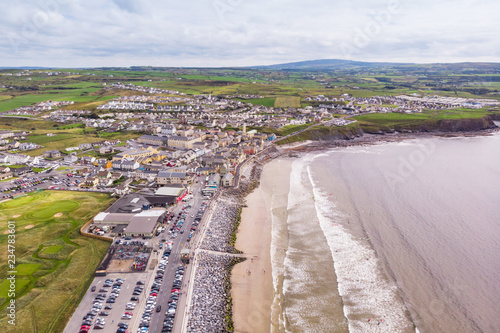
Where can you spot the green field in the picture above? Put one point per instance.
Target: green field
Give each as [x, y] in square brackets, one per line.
[266, 101]
[287, 102]
[401, 120]
[54, 263]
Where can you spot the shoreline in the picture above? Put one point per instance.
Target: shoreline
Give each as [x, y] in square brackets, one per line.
[232, 199]
[370, 139]
[252, 297]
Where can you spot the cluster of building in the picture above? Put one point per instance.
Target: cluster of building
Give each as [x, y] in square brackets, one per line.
[38, 108]
[402, 103]
[443, 102]
[149, 90]
[126, 105]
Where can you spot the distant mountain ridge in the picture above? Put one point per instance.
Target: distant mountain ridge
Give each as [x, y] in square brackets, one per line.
[323, 64]
[331, 63]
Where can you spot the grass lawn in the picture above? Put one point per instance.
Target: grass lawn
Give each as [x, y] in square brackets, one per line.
[5, 286]
[52, 249]
[54, 262]
[26, 269]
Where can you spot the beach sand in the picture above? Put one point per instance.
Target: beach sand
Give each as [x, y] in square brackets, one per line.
[253, 293]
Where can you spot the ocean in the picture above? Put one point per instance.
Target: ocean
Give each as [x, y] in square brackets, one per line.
[393, 237]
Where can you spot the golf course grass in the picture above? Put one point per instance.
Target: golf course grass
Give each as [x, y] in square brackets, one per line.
[54, 263]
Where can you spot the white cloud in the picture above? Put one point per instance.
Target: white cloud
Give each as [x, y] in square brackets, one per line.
[235, 32]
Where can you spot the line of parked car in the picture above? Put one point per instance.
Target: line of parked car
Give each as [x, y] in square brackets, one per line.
[23, 185]
[153, 294]
[168, 322]
[94, 316]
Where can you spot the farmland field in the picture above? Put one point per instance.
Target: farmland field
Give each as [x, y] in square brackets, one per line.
[287, 102]
[266, 101]
[54, 263]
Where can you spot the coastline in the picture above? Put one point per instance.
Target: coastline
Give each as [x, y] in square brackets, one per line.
[371, 139]
[255, 240]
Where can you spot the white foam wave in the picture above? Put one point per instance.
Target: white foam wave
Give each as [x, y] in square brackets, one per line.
[371, 303]
[276, 265]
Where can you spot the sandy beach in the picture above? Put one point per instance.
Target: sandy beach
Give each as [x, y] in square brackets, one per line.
[252, 283]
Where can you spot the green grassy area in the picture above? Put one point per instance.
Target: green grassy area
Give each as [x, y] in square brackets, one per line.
[321, 132]
[27, 269]
[54, 262]
[266, 101]
[283, 131]
[383, 121]
[287, 102]
[52, 249]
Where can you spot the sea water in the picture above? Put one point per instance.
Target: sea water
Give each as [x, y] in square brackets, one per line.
[392, 237]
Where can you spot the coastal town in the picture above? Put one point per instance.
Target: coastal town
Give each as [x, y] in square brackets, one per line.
[239, 166]
[177, 167]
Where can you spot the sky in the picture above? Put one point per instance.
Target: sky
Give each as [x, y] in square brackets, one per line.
[217, 33]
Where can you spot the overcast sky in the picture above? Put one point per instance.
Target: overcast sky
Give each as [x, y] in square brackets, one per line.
[92, 33]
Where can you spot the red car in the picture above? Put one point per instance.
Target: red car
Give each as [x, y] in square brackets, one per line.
[84, 329]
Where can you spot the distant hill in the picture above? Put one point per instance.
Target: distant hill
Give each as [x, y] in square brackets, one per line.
[338, 64]
[331, 64]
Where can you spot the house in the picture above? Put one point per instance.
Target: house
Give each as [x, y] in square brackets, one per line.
[106, 150]
[90, 182]
[4, 134]
[52, 154]
[227, 180]
[84, 171]
[129, 165]
[214, 181]
[170, 177]
[70, 159]
[21, 171]
[103, 174]
[87, 160]
[146, 174]
[104, 181]
[103, 163]
[6, 175]
[85, 146]
[122, 189]
[168, 130]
